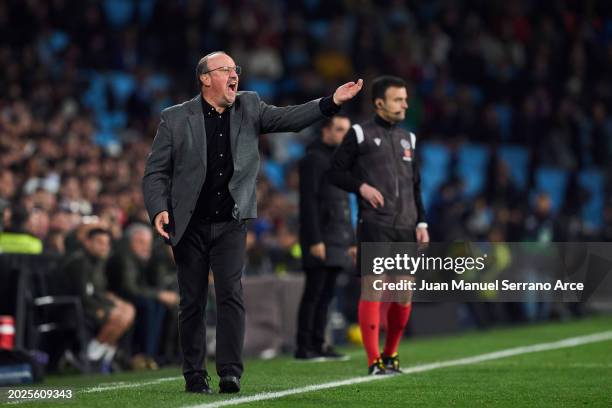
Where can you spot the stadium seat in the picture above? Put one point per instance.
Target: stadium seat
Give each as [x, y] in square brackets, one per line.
[157, 82]
[146, 8]
[94, 97]
[122, 86]
[109, 121]
[105, 138]
[118, 12]
[295, 150]
[275, 173]
[552, 181]
[265, 88]
[516, 159]
[435, 162]
[504, 113]
[318, 29]
[592, 180]
[472, 168]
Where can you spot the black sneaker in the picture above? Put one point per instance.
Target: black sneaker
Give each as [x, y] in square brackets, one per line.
[307, 355]
[329, 353]
[199, 384]
[377, 368]
[392, 363]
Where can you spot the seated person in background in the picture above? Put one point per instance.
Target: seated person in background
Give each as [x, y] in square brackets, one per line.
[163, 271]
[110, 316]
[130, 276]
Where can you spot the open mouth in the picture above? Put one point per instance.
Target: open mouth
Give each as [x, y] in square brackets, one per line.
[233, 86]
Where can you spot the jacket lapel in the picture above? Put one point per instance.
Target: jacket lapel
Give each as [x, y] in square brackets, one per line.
[235, 122]
[198, 129]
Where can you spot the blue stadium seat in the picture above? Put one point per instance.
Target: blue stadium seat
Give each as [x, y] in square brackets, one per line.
[477, 94]
[592, 180]
[472, 168]
[274, 173]
[122, 85]
[516, 159]
[435, 162]
[146, 9]
[105, 138]
[158, 82]
[265, 88]
[118, 12]
[58, 41]
[552, 181]
[94, 97]
[111, 120]
[295, 150]
[504, 113]
[318, 29]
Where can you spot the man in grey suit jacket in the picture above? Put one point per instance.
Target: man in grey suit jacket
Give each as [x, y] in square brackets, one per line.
[199, 190]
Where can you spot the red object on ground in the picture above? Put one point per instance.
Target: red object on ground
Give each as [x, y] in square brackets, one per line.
[7, 332]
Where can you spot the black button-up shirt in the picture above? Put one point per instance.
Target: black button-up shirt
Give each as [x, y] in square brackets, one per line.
[215, 202]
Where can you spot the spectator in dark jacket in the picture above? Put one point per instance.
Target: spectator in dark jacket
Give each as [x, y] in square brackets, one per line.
[130, 275]
[327, 239]
[109, 315]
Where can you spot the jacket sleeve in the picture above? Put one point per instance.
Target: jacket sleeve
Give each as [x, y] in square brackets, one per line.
[75, 275]
[158, 171]
[311, 170]
[125, 278]
[345, 157]
[289, 118]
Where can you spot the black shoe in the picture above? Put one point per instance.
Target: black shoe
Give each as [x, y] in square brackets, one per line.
[329, 353]
[377, 368]
[307, 355]
[229, 384]
[392, 364]
[199, 384]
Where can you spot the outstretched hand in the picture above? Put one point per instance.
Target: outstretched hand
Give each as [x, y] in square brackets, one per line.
[347, 91]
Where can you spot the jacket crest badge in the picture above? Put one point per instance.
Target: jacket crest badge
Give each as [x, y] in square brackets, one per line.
[407, 150]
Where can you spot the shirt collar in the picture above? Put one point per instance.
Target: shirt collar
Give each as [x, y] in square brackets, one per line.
[209, 110]
[381, 122]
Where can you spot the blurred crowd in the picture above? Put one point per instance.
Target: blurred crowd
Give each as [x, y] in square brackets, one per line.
[83, 84]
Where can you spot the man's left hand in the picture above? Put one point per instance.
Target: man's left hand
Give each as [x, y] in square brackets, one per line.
[422, 235]
[347, 91]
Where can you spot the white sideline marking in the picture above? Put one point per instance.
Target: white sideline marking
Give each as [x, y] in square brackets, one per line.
[123, 384]
[569, 342]
[565, 343]
[111, 386]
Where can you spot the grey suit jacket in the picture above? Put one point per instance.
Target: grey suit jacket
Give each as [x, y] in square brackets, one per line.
[176, 167]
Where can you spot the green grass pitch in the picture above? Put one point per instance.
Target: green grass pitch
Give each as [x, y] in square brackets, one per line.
[573, 376]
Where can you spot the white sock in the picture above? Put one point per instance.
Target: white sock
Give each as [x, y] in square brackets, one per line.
[109, 353]
[95, 350]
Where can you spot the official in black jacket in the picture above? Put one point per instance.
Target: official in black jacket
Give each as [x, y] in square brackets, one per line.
[377, 161]
[326, 237]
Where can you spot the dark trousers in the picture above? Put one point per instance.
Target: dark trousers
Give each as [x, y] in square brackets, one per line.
[319, 290]
[149, 320]
[220, 247]
[369, 232]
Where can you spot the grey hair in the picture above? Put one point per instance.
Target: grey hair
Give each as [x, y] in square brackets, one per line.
[135, 229]
[202, 66]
